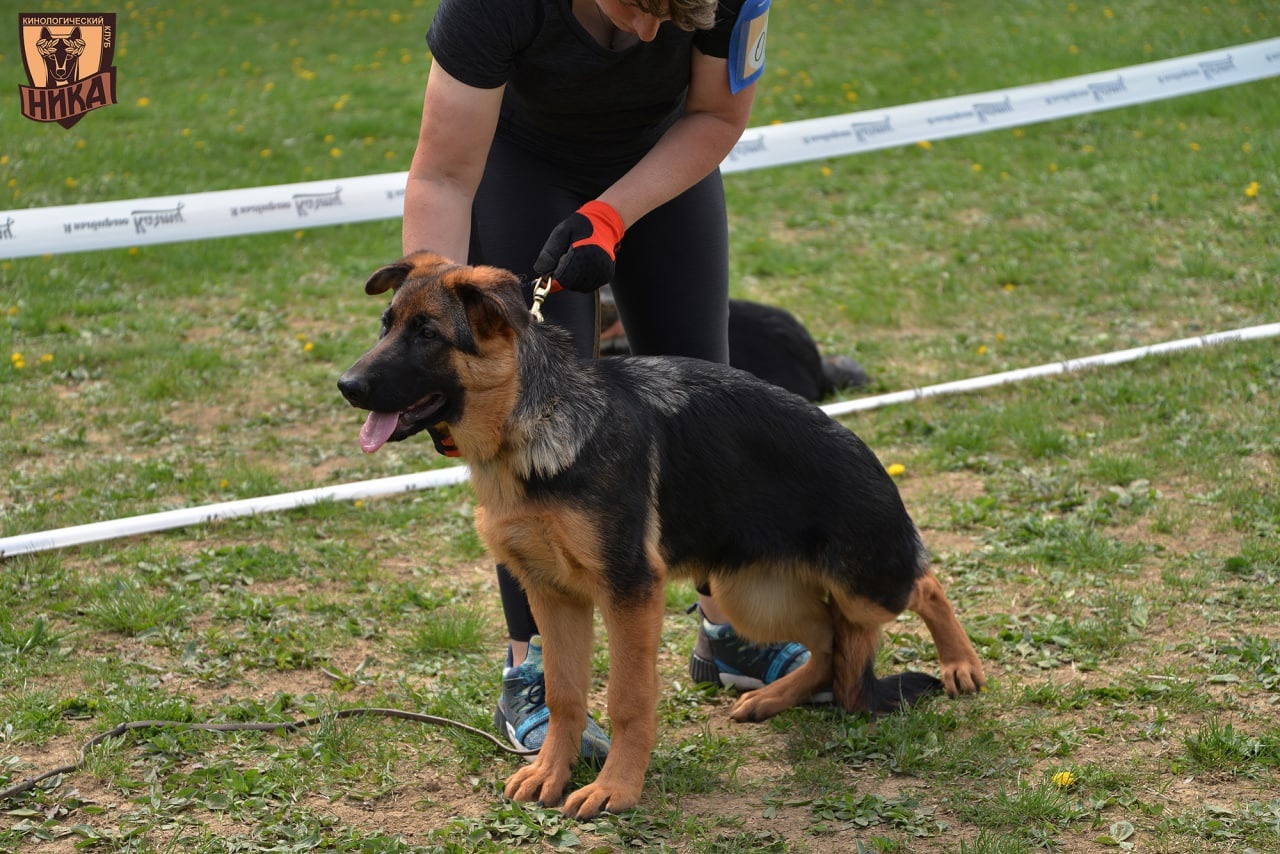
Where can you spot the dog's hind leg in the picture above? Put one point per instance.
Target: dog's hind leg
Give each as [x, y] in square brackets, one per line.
[565, 624]
[858, 623]
[634, 623]
[961, 669]
[769, 607]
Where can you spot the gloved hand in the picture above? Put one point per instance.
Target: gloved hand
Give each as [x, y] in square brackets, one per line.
[579, 253]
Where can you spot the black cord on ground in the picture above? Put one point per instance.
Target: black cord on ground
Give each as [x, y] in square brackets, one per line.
[253, 726]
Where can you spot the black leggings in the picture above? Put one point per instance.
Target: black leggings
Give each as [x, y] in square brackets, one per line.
[671, 282]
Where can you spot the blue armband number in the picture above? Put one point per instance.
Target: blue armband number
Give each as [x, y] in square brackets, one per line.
[746, 45]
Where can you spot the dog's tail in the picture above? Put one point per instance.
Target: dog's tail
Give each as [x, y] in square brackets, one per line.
[855, 686]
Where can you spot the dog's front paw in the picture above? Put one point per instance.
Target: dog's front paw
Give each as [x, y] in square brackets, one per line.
[595, 798]
[963, 677]
[539, 782]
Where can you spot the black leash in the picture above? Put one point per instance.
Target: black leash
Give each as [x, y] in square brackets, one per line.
[253, 726]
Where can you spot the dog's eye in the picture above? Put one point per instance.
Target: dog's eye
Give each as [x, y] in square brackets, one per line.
[427, 333]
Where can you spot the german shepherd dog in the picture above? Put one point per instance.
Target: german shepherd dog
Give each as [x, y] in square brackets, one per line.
[597, 480]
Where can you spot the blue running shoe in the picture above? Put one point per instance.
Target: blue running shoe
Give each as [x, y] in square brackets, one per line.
[522, 713]
[721, 657]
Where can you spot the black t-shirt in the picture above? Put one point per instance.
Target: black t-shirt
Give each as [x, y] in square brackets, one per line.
[567, 96]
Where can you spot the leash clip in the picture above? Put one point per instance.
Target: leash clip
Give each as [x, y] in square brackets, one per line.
[541, 288]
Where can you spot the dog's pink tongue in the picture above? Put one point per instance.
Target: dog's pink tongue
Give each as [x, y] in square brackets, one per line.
[377, 429]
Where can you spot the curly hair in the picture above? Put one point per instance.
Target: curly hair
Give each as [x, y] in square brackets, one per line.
[685, 14]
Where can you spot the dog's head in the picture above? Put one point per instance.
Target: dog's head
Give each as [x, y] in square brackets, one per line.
[445, 360]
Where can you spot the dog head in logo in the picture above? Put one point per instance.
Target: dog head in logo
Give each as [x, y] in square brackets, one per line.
[445, 358]
[61, 55]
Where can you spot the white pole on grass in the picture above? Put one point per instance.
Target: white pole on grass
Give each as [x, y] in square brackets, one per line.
[168, 519]
[153, 522]
[1251, 333]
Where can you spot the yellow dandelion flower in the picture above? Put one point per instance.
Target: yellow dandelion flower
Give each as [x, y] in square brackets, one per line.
[81, 145]
[4, 160]
[144, 102]
[1073, 50]
[185, 132]
[266, 152]
[72, 182]
[1252, 190]
[335, 152]
[1088, 149]
[896, 470]
[15, 356]
[298, 235]
[1107, 13]
[1246, 148]
[1155, 198]
[825, 171]
[1195, 146]
[308, 347]
[1000, 337]
[359, 502]
[224, 483]
[13, 309]
[20, 364]
[982, 349]
[1010, 287]
[46, 358]
[1064, 779]
[925, 144]
[1053, 167]
[268, 86]
[851, 96]
[328, 138]
[977, 167]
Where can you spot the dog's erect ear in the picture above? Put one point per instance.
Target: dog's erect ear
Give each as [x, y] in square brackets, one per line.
[422, 264]
[391, 276]
[493, 301]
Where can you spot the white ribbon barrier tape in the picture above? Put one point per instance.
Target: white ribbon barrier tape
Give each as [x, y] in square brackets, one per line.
[285, 207]
[134, 525]
[964, 115]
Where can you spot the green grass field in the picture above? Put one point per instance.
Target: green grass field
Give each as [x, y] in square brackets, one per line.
[1110, 539]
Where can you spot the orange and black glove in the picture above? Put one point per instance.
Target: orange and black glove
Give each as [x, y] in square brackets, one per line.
[579, 253]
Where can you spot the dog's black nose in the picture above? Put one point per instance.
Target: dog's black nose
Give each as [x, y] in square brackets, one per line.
[353, 387]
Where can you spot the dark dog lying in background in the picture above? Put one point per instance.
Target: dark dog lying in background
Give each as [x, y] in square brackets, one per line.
[597, 480]
[766, 341]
